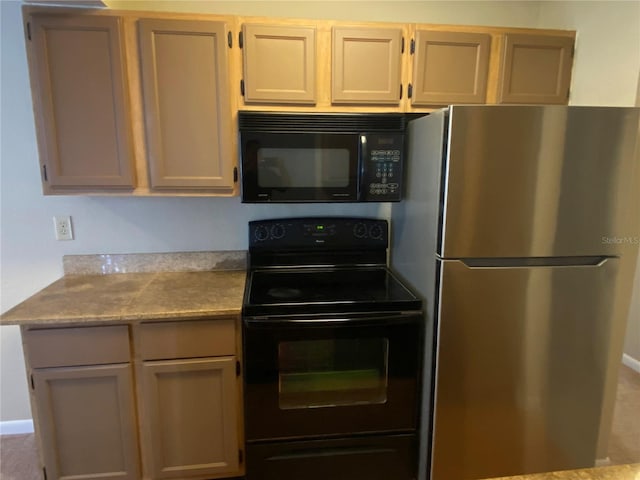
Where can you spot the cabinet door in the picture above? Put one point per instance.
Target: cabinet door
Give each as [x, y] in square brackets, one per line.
[535, 69]
[186, 103]
[366, 65]
[450, 67]
[86, 422]
[80, 98]
[279, 64]
[189, 417]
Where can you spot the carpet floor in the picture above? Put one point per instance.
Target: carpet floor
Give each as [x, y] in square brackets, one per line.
[624, 443]
[19, 458]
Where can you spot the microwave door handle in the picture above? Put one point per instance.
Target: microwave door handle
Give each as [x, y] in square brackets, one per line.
[362, 166]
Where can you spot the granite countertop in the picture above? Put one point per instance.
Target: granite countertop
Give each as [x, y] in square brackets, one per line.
[126, 297]
[616, 472]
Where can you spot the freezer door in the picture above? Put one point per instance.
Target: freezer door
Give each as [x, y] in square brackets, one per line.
[539, 181]
[522, 356]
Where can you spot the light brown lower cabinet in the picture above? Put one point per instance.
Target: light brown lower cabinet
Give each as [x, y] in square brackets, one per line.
[86, 420]
[189, 418]
[168, 408]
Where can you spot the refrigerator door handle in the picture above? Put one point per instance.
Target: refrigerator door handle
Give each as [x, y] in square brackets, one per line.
[592, 261]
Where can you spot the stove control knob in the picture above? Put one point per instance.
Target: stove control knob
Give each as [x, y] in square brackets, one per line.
[261, 233]
[375, 232]
[360, 230]
[277, 231]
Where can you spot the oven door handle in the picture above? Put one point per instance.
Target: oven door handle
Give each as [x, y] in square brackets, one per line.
[397, 318]
[331, 452]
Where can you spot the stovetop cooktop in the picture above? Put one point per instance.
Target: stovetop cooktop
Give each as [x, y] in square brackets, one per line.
[311, 290]
[320, 265]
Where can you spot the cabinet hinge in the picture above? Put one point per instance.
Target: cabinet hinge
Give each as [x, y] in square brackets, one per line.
[412, 47]
[230, 39]
[44, 173]
[242, 87]
[238, 368]
[33, 384]
[400, 91]
[402, 46]
[410, 91]
[44, 473]
[240, 456]
[240, 40]
[235, 174]
[29, 30]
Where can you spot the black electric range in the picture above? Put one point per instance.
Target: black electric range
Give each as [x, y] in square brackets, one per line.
[332, 342]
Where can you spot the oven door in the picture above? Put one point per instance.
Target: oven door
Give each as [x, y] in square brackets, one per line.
[299, 167]
[319, 376]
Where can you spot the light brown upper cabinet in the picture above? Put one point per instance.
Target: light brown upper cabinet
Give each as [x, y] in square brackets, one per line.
[186, 104]
[366, 65]
[145, 103]
[450, 67]
[279, 64]
[535, 69]
[80, 97]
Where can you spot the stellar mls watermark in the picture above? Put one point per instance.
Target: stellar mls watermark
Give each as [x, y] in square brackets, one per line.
[621, 240]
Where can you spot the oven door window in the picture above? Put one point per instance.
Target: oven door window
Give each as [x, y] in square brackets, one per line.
[332, 372]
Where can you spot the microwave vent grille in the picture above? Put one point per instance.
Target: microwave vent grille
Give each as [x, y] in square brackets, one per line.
[321, 123]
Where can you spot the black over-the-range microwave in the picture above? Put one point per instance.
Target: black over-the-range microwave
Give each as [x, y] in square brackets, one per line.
[308, 157]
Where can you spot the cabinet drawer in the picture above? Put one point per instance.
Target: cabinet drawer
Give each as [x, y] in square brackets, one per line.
[187, 339]
[58, 347]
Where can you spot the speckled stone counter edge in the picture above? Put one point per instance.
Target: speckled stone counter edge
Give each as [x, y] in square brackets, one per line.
[131, 297]
[615, 472]
[103, 264]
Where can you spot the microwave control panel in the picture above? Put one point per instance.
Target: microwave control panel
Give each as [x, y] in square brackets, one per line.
[381, 167]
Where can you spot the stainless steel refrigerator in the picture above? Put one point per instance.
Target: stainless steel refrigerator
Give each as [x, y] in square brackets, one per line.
[519, 228]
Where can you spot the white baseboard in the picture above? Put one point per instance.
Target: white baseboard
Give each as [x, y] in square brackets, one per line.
[15, 427]
[631, 362]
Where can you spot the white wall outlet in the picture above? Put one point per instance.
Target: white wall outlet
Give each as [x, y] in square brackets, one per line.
[62, 225]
